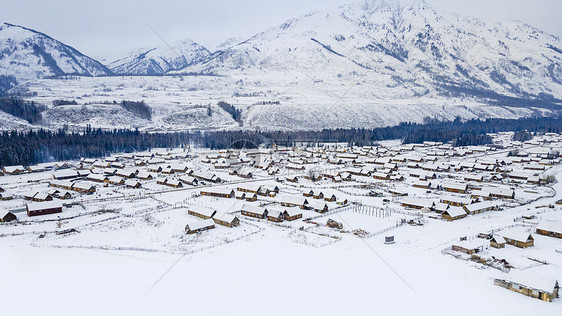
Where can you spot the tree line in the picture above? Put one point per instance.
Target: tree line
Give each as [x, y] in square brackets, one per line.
[37, 146]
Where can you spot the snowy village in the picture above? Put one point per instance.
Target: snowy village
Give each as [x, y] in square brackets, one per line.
[495, 208]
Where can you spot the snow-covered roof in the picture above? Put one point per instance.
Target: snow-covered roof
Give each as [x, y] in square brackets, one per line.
[551, 226]
[455, 211]
[498, 239]
[225, 217]
[529, 280]
[517, 235]
[203, 210]
[36, 206]
[201, 224]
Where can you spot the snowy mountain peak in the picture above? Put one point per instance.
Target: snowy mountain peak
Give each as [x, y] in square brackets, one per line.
[27, 54]
[159, 60]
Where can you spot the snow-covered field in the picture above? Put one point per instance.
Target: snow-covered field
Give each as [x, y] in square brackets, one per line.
[190, 102]
[124, 251]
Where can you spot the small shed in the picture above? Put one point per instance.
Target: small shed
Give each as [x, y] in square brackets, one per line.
[7, 216]
[497, 241]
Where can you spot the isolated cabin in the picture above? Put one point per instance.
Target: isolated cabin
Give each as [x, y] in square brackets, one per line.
[43, 208]
[200, 226]
[522, 282]
[518, 238]
[497, 241]
[7, 216]
[551, 229]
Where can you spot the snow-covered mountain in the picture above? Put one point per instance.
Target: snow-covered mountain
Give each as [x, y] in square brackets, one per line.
[159, 60]
[403, 49]
[27, 54]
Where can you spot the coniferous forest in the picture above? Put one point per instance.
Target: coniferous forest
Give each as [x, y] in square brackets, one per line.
[31, 147]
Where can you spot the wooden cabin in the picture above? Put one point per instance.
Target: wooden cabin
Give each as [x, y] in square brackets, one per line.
[518, 238]
[226, 219]
[274, 215]
[453, 213]
[497, 242]
[43, 208]
[291, 214]
[538, 287]
[201, 211]
[254, 211]
[468, 247]
[7, 216]
[200, 226]
[551, 229]
[218, 192]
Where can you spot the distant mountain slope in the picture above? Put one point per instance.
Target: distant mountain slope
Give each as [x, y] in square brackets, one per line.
[157, 61]
[403, 49]
[27, 54]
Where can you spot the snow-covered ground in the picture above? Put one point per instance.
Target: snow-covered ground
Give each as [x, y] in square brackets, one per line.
[129, 253]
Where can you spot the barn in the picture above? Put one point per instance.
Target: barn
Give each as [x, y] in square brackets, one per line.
[197, 227]
[43, 208]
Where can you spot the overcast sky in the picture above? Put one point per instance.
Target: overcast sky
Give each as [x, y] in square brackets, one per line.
[112, 28]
